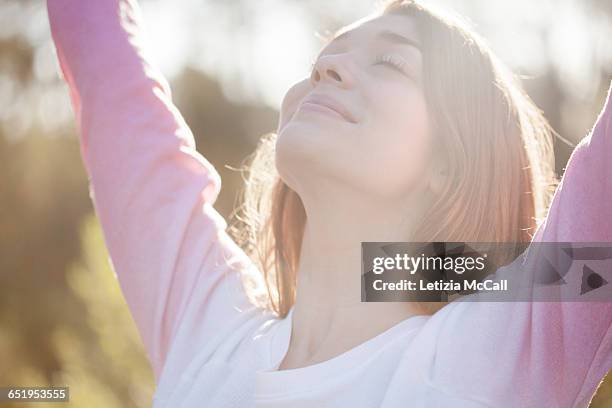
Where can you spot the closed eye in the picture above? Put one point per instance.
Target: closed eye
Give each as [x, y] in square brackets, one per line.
[394, 62]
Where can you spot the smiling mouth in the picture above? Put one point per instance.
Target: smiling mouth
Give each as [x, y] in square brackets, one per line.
[316, 107]
[327, 107]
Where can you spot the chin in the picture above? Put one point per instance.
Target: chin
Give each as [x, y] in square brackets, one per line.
[304, 138]
[300, 149]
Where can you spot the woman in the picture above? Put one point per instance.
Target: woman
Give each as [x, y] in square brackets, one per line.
[386, 141]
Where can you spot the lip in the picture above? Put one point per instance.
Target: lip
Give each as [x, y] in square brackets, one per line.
[329, 103]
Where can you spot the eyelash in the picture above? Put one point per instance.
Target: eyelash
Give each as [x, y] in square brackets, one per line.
[393, 62]
[385, 59]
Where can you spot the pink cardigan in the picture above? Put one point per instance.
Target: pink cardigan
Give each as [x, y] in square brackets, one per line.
[178, 268]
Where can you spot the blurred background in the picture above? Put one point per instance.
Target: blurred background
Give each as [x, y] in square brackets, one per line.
[63, 320]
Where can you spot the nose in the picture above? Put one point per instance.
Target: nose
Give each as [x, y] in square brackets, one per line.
[332, 68]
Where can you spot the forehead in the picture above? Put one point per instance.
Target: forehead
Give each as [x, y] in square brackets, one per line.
[370, 26]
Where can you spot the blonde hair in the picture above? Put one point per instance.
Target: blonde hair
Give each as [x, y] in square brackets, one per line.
[497, 144]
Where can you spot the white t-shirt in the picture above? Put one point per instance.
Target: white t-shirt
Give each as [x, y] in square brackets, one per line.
[356, 378]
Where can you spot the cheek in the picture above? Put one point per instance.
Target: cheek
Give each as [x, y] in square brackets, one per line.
[401, 143]
[290, 102]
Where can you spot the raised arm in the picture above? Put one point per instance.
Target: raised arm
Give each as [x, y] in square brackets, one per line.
[580, 333]
[152, 191]
[581, 210]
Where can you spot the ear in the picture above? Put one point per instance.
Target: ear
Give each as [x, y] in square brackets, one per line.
[438, 178]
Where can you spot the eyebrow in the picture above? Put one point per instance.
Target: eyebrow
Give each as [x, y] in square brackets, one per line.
[386, 35]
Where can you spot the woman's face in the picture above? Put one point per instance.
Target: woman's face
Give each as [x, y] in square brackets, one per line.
[361, 118]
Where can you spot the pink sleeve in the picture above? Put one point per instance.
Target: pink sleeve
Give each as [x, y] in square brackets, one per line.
[581, 211]
[535, 354]
[152, 191]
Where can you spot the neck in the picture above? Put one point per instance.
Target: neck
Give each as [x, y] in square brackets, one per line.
[328, 303]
